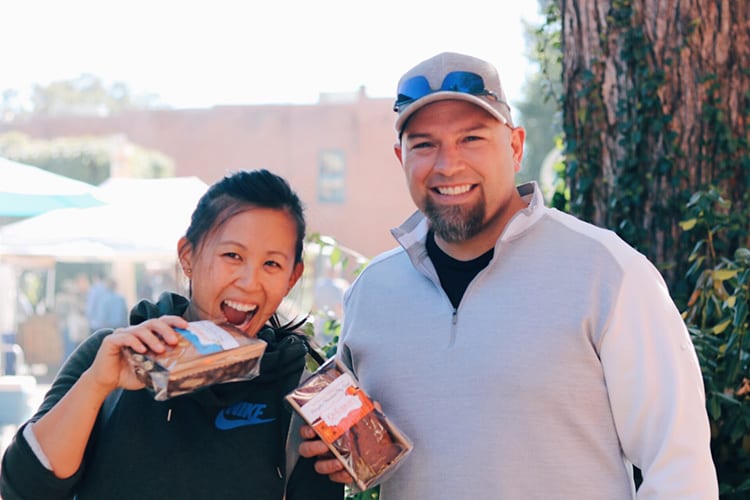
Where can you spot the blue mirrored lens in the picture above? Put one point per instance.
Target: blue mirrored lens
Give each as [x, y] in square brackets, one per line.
[461, 81]
[412, 89]
[456, 81]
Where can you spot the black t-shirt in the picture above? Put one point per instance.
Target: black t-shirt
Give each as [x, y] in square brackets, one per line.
[455, 275]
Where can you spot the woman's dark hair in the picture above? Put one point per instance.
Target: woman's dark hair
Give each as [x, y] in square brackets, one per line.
[234, 193]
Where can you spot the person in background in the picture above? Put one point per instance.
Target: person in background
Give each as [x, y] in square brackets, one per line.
[110, 309]
[541, 356]
[100, 434]
[96, 290]
[69, 308]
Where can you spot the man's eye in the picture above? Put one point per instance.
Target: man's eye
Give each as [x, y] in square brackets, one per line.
[422, 145]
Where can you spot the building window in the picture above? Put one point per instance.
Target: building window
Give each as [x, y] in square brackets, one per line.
[331, 177]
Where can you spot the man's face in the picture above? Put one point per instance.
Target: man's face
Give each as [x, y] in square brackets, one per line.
[460, 165]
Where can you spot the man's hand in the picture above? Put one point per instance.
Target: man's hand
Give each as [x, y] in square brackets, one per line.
[326, 464]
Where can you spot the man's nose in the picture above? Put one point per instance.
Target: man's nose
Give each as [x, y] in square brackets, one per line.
[448, 159]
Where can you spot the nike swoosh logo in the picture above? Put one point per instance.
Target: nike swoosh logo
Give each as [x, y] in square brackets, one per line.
[226, 420]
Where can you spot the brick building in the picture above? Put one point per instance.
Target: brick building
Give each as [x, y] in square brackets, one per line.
[338, 155]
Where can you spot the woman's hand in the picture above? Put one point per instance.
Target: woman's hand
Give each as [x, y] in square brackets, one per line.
[111, 369]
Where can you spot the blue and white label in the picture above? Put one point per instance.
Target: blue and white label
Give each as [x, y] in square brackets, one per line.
[207, 337]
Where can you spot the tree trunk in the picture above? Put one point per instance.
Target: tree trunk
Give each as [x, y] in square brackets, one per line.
[656, 107]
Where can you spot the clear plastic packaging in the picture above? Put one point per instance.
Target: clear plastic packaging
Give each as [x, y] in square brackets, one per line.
[358, 434]
[206, 354]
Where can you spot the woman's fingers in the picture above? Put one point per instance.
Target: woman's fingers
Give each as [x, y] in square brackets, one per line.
[165, 326]
[111, 368]
[152, 335]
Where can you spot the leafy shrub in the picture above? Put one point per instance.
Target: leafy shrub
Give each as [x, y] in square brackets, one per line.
[717, 318]
[325, 323]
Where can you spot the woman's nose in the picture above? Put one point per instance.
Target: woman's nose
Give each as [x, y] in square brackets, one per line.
[248, 277]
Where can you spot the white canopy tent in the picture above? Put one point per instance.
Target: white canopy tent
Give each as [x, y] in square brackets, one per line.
[26, 191]
[142, 219]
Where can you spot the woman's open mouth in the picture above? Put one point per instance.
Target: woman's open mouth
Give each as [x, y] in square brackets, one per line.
[238, 313]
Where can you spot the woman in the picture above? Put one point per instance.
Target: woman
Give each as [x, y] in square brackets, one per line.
[91, 439]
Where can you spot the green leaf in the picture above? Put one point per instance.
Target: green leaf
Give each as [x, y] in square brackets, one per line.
[335, 256]
[737, 432]
[689, 224]
[714, 408]
[727, 399]
[724, 274]
[731, 301]
[696, 251]
[744, 486]
[721, 327]
[742, 254]
[740, 315]
[696, 265]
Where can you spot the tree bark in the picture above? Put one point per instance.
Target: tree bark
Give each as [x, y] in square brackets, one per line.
[656, 106]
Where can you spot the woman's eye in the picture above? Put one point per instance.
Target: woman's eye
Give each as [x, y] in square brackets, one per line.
[273, 263]
[231, 255]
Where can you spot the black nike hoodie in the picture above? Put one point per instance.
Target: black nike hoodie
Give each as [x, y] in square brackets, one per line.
[226, 441]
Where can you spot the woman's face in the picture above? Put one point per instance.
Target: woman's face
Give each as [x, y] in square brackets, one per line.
[243, 269]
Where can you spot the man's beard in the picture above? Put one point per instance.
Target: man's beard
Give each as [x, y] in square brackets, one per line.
[455, 223]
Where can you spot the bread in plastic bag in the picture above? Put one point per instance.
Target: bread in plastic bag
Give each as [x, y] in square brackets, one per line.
[358, 434]
[207, 353]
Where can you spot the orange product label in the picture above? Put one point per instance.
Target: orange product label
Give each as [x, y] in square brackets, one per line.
[335, 409]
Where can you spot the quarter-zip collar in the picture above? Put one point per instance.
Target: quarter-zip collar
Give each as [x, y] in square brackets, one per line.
[412, 234]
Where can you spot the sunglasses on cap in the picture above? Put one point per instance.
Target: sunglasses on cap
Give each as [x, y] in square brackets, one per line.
[464, 82]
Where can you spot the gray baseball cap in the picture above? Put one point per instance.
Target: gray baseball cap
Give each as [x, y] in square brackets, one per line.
[451, 76]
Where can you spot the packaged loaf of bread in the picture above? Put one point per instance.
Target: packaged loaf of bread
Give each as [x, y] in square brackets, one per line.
[358, 434]
[207, 353]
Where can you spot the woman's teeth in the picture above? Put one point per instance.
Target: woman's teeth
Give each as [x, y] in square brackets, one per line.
[239, 306]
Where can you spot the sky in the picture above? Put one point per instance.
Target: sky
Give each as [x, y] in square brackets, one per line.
[195, 54]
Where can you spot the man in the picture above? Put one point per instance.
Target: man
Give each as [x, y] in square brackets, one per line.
[110, 309]
[540, 356]
[96, 291]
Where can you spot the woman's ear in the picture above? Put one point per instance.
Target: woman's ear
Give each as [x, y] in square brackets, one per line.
[299, 268]
[185, 255]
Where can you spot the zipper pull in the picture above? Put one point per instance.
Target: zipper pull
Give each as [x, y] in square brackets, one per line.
[454, 318]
